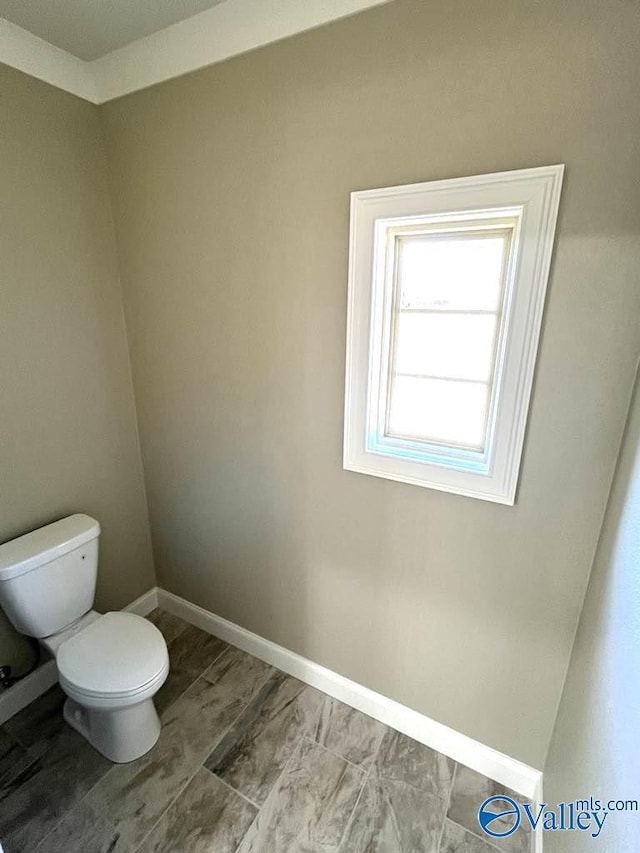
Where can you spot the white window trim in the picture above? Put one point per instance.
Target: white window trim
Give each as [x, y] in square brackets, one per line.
[532, 196]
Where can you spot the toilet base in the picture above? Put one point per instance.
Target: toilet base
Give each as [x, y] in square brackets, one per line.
[121, 735]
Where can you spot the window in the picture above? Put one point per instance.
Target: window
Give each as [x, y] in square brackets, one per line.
[446, 290]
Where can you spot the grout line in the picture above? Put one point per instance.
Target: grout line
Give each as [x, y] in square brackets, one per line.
[447, 804]
[335, 754]
[271, 670]
[365, 773]
[197, 678]
[200, 766]
[163, 814]
[31, 757]
[8, 727]
[412, 785]
[487, 761]
[53, 828]
[200, 674]
[220, 656]
[255, 692]
[465, 828]
[230, 787]
[114, 766]
[181, 791]
[75, 806]
[82, 798]
[335, 702]
[484, 839]
[294, 752]
[231, 725]
[365, 782]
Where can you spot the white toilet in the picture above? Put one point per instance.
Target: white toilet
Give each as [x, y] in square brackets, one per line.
[110, 666]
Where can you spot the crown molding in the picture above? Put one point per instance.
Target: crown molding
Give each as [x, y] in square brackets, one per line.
[226, 30]
[22, 50]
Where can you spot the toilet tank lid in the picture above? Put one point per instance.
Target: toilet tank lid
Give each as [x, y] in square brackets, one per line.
[34, 549]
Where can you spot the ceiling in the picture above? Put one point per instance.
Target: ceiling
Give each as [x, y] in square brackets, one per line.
[103, 49]
[89, 29]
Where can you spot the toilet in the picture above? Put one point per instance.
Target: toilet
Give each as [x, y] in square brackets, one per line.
[110, 665]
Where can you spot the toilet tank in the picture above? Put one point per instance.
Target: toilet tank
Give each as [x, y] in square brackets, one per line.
[48, 577]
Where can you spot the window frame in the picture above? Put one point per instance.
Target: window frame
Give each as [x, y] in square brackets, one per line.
[528, 198]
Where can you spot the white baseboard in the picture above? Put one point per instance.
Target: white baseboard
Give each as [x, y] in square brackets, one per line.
[143, 605]
[521, 778]
[19, 695]
[508, 771]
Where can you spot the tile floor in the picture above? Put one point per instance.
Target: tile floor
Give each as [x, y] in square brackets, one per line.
[249, 760]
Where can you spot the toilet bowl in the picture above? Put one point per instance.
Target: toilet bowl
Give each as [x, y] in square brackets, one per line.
[110, 672]
[109, 665]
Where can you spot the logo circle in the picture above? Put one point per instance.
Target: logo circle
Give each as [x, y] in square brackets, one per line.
[486, 816]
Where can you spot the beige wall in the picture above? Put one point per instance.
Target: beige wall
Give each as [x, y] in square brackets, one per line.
[595, 749]
[231, 189]
[68, 436]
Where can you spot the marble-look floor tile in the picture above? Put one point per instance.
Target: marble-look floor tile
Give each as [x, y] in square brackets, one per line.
[403, 759]
[347, 732]
[239, 673]
[208, 816]
[190, 654]
[309, 808]
[170, 626]
[35, 801]
[14, 758]
[135, 795]
[469, 791]
[393, 816]
[403, 803]
[327, 778]
[253, 753]
[37, 725]
[84, 830]
[455, 839]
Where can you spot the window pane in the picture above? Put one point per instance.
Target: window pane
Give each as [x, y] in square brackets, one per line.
[459, 272]
[439, 410]
[448, 345]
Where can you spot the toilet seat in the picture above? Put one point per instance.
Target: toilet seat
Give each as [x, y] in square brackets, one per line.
[117, 660]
